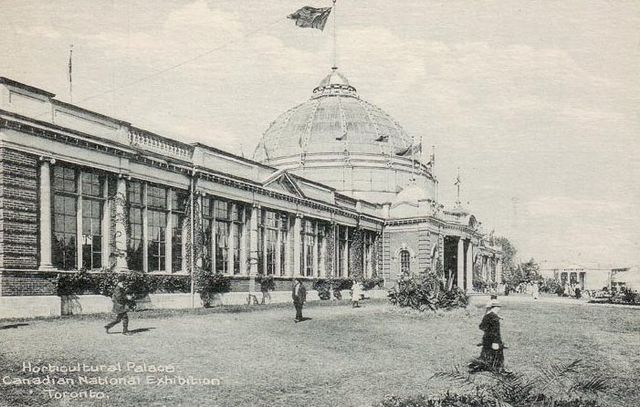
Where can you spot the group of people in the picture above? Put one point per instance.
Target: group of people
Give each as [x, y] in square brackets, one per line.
[299, 296]
[491, 356]
[123, 302]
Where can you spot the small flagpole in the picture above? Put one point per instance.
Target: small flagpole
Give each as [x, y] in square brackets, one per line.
[335, 41]
[71, 73]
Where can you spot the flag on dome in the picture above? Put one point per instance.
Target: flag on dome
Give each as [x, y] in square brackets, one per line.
[311, 17]
[411, 150]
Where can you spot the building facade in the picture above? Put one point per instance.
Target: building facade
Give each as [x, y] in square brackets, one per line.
[333, 191]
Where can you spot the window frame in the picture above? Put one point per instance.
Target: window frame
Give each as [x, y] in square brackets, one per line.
[96, 259]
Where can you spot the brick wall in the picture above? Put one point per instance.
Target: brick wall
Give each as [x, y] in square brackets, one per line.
[21, 283]
[18, 210]
[19, 224]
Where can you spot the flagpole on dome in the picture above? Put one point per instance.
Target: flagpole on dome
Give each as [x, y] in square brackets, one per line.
[335, 37]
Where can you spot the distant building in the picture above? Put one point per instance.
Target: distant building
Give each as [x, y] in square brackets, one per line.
[626, 277]
[592, 277]
[336, 190]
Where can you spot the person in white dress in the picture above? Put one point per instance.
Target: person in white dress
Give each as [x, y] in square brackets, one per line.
[356, 294]
[535, 291]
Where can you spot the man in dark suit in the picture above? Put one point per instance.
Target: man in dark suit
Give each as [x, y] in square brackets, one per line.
[299, 295]
[121, 305]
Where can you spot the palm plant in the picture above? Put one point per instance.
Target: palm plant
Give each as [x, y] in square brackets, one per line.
[553, 386]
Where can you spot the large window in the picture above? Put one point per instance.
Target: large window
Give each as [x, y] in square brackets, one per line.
[178, 218]
[269, 230]
[272, 247]
[157, 226]
[92, 204]
[222, 235]
[135, 251]
[223, 228]
[156, 217]
[78, 209]
[237, 230]
[308, 247]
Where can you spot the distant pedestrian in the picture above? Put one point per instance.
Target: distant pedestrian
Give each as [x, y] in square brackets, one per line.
[535, 291]
[492, 355]
[356, 294]
[121, 306]
[299, 295]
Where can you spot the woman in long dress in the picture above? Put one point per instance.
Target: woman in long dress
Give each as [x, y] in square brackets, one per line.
[492, 355]
[356, 294]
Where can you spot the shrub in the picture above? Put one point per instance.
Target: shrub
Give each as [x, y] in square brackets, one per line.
[209, 283]
[559, 385]
[137, 284]
[371, 283]
[426, 292]
[323, 286]
[471, 400]
[447, 400]
[171, 284]
[267, 283]
[551, 286]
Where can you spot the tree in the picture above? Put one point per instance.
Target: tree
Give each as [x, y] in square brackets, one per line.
[508, 259]
[529, 271]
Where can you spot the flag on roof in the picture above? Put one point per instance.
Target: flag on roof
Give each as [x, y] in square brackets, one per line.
[311, 17]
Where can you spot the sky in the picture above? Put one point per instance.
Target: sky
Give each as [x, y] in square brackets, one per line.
[537, 103]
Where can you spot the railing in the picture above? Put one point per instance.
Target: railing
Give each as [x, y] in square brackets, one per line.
[152, 142]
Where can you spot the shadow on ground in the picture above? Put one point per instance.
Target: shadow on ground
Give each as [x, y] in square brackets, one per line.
[13, 326]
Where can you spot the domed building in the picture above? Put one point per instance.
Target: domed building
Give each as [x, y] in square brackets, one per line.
[343, 141]
[337, 190]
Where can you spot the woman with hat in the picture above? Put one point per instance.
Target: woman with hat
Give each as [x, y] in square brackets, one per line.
[492, 355]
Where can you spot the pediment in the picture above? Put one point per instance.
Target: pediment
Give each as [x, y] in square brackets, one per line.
[281, 181]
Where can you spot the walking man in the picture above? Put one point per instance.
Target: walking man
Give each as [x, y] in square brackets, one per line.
[299, 295]
[121, 305]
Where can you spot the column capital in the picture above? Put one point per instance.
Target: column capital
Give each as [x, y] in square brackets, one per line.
[47, 159]
[299, 215]
[124, 176]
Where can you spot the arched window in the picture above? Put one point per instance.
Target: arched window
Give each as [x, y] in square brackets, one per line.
[405, 261]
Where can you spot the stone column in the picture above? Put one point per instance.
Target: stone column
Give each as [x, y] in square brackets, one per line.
[316, 259]
[278, 249]
[460, 271]
[499, 270]
[469, 267]
[253, 241]
[242, 229]
[79, 219]
[297, 244]
[323, 253]
[200, 235]
[168, 234]
[483, 263]
[106, 225]
[120, 238]
[145, 230]
[288, 266]
[231, 243]
[45, 215]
